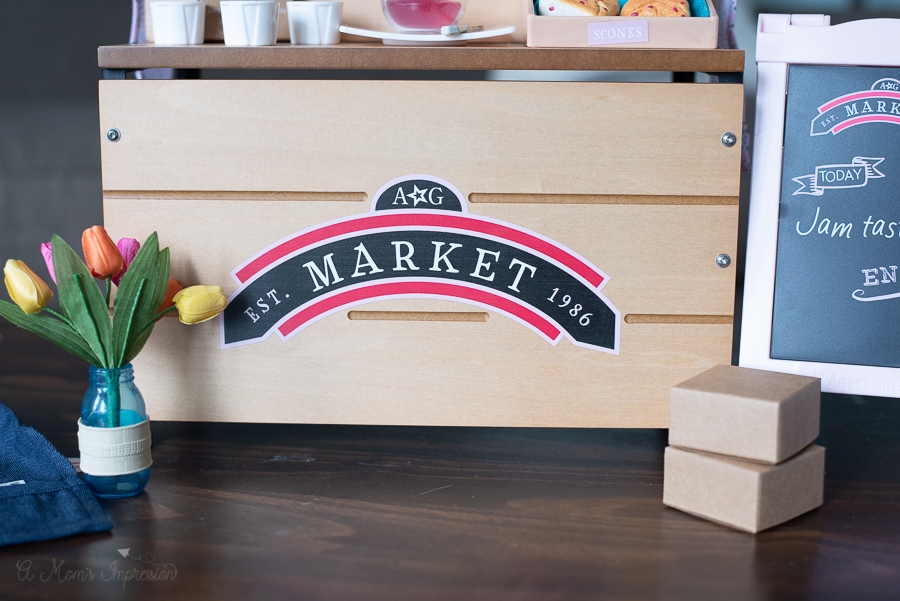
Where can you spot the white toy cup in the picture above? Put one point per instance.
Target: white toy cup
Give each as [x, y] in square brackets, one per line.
[178, 23]
[249, 22]
[313, 22]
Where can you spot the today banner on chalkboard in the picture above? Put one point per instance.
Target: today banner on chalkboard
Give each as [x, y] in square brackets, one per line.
[837, 293]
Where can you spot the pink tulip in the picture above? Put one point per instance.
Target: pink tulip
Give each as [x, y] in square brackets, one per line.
[129, 248]
[47, 251]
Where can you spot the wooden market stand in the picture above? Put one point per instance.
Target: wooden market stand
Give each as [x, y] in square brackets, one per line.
[641, 179]
[729, 63]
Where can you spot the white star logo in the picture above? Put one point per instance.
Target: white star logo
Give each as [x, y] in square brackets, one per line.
[417, 195]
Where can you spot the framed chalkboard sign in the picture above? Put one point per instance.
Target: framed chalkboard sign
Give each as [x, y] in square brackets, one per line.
[822, 294]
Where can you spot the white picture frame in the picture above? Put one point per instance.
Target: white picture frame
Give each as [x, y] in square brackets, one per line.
[782, 41]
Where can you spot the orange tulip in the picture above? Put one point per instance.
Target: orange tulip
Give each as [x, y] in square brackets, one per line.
[172, 289]
[101, 256]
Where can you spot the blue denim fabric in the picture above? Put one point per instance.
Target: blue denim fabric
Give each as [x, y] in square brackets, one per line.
[53, 502]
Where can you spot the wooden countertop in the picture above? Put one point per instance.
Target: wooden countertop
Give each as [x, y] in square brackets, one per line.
[341, 512]
[378, 56]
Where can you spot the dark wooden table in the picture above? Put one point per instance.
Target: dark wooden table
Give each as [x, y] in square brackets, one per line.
[237, 511]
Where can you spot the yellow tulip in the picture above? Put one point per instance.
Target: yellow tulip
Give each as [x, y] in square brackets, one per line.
[197, 304]
[25, 287]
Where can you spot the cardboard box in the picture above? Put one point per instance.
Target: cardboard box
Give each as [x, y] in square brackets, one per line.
[367, 14]
[618, 32]
[747, 413]
[743, 495]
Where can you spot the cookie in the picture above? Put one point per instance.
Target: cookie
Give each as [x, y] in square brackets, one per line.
[656, 8]
[578, 8]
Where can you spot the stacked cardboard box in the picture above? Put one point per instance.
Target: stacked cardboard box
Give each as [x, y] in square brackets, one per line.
[740, 449]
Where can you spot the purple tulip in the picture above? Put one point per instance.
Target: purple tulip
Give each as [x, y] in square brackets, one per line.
[129, 248]
[47, 251]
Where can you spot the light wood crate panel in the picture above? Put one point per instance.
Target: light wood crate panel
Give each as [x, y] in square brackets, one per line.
[219, 182]
[335, 136]
[660, 259]
[495, 373]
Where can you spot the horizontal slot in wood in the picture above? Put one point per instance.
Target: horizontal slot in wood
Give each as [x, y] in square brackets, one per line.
[468, 316]
[603, 199]
[233, 195]
[654, 318]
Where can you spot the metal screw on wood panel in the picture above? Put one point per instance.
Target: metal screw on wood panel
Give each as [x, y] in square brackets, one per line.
[729, 139]
[723, 260]
[113, 135]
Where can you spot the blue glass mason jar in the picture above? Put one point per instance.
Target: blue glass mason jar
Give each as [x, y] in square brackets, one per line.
[112, 400]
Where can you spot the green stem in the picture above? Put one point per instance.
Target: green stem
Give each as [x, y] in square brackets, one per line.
[165, 312]
[108, 290]
[113, 399]
[159, 316]
[60, 316]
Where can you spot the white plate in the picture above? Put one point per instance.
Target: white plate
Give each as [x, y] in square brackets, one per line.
[393, 38]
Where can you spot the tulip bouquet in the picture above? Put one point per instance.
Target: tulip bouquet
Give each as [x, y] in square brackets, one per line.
[85, 325]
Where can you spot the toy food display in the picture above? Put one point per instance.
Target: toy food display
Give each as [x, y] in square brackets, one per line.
[578, 8]
[639, 24]
[610, 8]
[656, 8]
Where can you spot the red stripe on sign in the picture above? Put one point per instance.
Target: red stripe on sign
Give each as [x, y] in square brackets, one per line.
[858, 96]
[468, 224]
[869, 119]
[374, 291]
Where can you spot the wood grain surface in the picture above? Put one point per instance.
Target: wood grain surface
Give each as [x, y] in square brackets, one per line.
[254, 511]
[495, 372]
[477, 57]
[483, 136]
[591, 159]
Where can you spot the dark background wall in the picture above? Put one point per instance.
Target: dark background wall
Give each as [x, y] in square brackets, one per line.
[49, 128]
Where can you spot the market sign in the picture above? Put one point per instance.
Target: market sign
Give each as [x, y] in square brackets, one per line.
[836, 263]
[419, 241]
[878, 104]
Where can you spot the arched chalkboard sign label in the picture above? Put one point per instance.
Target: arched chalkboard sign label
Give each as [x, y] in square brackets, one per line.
[822, 292]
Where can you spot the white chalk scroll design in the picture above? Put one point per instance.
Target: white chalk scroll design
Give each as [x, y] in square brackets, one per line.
[856, 174]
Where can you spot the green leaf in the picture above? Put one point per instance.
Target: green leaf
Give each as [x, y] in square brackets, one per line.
[162, 283]
[132, 298]
[133, 322]
[54, 330]
[139, 338]
[82, 301]
[137, 346]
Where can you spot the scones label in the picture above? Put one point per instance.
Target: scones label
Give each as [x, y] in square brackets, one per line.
[430, 247]
[619, 32]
